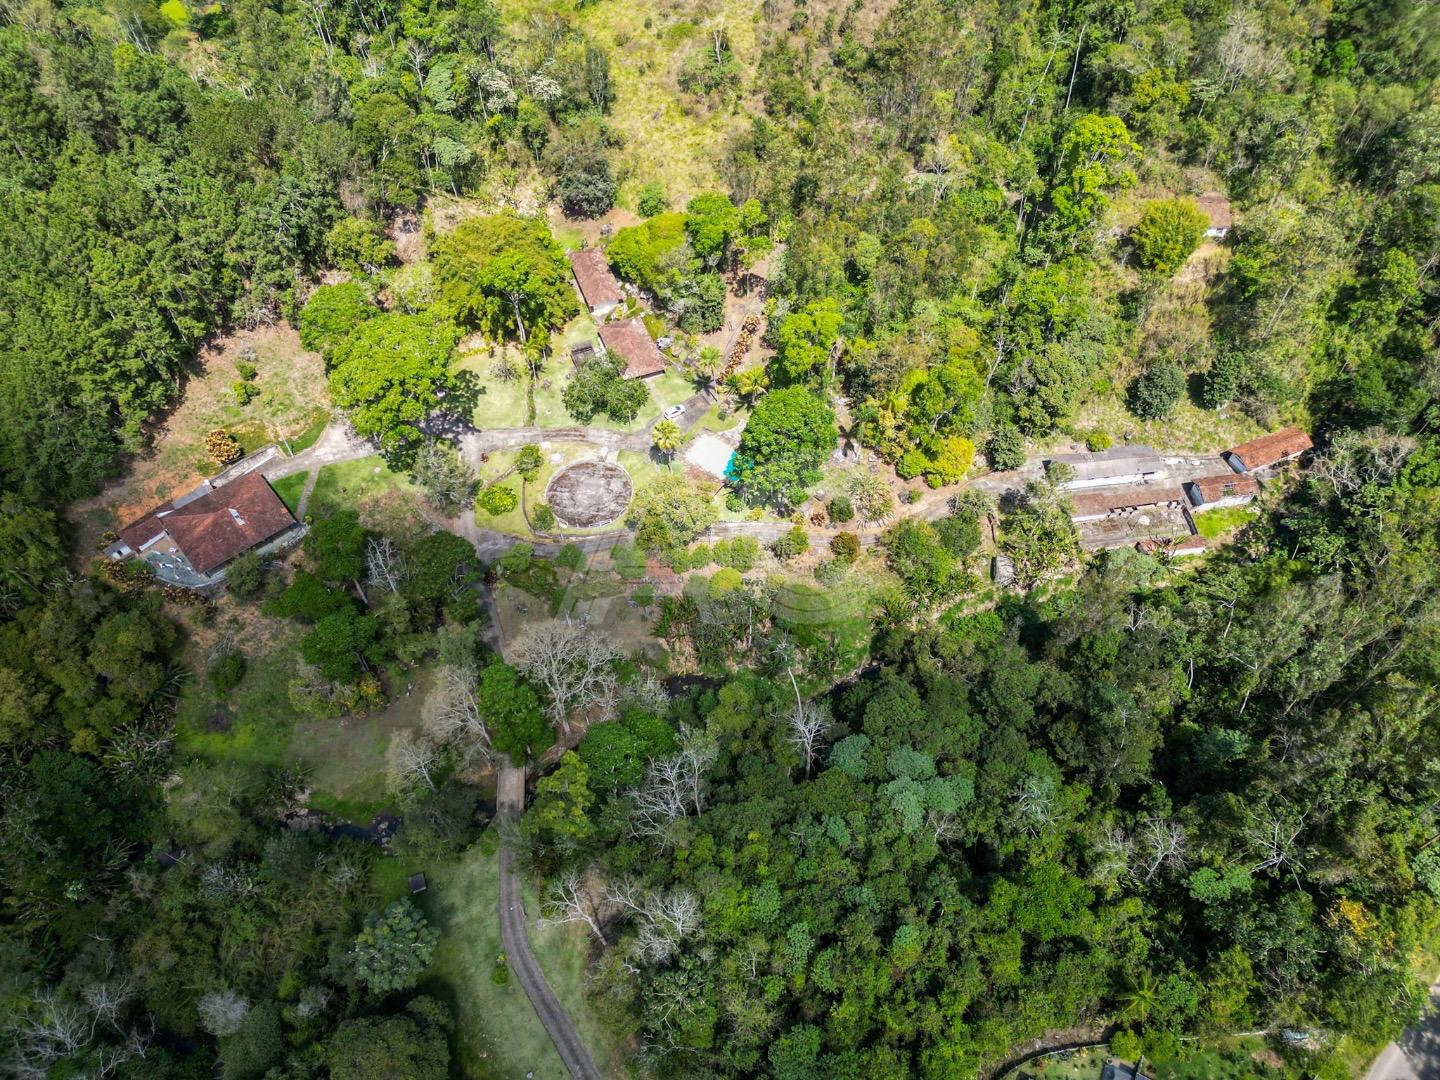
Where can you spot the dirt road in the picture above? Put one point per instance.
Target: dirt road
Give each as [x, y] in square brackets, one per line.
[510, 800]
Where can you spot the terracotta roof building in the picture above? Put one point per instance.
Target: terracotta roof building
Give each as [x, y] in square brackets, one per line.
[1095, 505]
[597, 284]
[198, 533]
[1216, 209]
[631, 342]
[1226, 490]
[1268, 450]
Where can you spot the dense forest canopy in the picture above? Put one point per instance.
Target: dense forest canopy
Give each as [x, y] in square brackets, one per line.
[1163, 804]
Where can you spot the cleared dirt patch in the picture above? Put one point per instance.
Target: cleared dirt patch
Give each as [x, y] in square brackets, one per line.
[589, 493]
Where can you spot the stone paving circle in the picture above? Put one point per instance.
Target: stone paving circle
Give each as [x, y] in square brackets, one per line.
[588, 494]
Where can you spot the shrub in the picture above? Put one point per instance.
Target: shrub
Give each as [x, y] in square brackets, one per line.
[678, 559]
[846, 546]
[733, 502]
[1006, 448]
[517, 559]
[1095, 441]
[841, 509]
[910, 496]
[1222, 381]
[528, 461]
[244, 393]
[500, 973]
[725, 580]
[1154, 395]
[586, 187]
[222, 446]
[644, 594]
[790, 544]
[1168, 231]
[542, 517]
[740, 553]
[571, 557]
[245, 576]
[246, 370]
[651, 200]
[498, 499]
[226, 672]
[830, 572]
[700, 555]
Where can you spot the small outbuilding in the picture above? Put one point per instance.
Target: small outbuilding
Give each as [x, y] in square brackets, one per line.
[598, 286]
[632, 343]
[1118, 465]
[1211, 492]
[1266, 452]
[1123, 501]
[582, 354]
[1216, 208]
[418, 884]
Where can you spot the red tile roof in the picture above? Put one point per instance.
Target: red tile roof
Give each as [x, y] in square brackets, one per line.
[597, 283]
[1271, 449]
[1099, 503]
[214, 528]
[631, 342]
[1225, 486]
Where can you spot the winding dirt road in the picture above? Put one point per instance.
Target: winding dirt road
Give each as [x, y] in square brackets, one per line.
[510, 801]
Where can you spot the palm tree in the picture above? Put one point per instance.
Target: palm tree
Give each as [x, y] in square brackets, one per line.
[749, 384]
[705, 368]
[666, 438]
[1140, 997]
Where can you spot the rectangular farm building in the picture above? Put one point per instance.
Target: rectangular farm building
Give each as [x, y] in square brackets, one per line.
[597, 284]
[1214, 491]
[1118, 465]
[1266, 452]
[1098, 505]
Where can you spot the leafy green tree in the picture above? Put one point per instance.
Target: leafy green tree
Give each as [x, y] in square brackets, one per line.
[1157, 391]
[34, 551]
[712, 222]
[414, 1044]
[333, 313]
[336, 545]
[1223, 380]
[1036, 532]
[511, 708]
[787, 439]
[342, 644]
[359, 246]
[505, 272]
[307, 597]
[600, 386]
[1167, 232]
[498, 499]
[1093, 165]
[914, 552]
[394, 948]
[670, 513]
[560, 813]
[529, 460]
[389, 375]
[808, 340]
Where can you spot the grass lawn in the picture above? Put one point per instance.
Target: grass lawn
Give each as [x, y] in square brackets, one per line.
[498, 1034]
[1213, 523]
[290, 488]
[1191, 428]
[256, 728]
[354, 484]
[712, 420]
[346, 756]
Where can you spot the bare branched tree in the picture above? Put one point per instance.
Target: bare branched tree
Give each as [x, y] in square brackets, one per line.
[222, 1012]
[568, 900]
[382, 564]
[572, 662]
[451, 713]
[809, 724]
[1160, 844]
[410, 758]
[1273, 833]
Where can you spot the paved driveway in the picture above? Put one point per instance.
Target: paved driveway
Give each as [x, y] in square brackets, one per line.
[1416, 1054]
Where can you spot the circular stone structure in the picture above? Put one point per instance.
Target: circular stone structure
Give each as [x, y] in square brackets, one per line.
[588, 494]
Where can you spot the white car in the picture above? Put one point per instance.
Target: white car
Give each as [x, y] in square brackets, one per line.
[673, 411]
